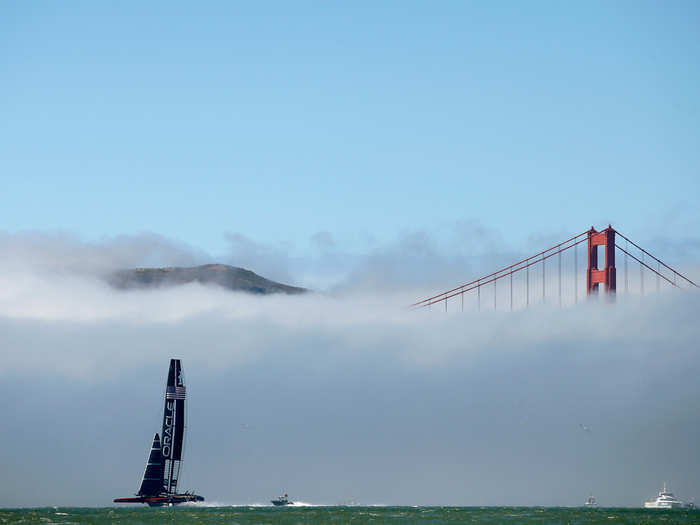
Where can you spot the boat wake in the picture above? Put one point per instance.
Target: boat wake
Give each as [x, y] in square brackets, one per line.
[246, 505]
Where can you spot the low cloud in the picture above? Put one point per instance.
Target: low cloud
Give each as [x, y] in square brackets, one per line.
[342, 396]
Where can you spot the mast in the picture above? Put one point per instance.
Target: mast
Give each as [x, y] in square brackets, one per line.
[173, 426]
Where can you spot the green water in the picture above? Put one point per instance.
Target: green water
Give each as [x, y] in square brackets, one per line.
[341, 515]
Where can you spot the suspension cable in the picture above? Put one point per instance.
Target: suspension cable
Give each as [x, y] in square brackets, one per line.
[647, 266]
[655, 258]
[514, 266]
[483, 281]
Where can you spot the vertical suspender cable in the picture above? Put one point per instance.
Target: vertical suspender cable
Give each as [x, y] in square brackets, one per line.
[626, 279]
[478, 295]
[658, 277]
[575, 273]
[494, 294]
[527, 285]
[559, 256]
[543, 279]
[511, 289]
[641, 274]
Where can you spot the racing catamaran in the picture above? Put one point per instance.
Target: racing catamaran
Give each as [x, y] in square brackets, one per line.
[160, 477]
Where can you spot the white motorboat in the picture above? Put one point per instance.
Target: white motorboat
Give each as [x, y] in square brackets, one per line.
[665, 500]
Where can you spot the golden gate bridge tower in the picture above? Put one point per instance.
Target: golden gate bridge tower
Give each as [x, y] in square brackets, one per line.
[606, 276]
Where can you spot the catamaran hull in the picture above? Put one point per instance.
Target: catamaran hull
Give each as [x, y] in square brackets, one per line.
[162, 501]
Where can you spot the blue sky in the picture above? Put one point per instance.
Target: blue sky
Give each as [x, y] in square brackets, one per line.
[278, 121]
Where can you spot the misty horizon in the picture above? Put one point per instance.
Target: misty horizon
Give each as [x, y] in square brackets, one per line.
[344, 396]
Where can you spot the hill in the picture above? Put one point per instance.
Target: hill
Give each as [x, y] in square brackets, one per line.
[229, 277]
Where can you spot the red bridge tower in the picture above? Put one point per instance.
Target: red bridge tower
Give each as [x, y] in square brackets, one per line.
[607, 274]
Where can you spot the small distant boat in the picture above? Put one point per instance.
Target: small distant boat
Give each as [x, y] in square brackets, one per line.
[282, 501]
[590, 502]
[159, 483]
[665, 500]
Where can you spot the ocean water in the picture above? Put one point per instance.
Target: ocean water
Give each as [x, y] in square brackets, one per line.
[341, 515]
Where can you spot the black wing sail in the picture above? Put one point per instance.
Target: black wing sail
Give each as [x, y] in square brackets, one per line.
[152, 482]
[173, 426]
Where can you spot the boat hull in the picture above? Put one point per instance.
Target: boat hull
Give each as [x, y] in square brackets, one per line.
[162, 501]
[663, 505]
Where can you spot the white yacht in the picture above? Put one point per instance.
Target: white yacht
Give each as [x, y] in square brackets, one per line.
[665, 500]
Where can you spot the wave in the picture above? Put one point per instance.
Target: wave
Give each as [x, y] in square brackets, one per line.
[243, 505]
